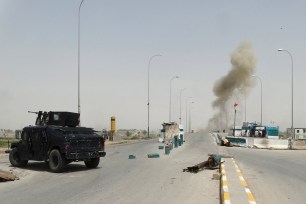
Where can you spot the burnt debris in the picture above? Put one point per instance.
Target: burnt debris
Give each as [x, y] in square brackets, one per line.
[212, 162]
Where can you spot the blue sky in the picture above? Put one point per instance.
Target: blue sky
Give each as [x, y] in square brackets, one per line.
[38, 59]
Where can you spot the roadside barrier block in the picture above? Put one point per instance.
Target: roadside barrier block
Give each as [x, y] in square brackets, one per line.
[154, 155]
[132, 156]
[167, 150]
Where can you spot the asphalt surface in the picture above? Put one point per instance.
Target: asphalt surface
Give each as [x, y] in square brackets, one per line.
[119, 179]
[273, 176]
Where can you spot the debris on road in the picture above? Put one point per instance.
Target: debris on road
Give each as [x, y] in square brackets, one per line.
[132, 156]
[213, 162]
[225, 142]
[7, 176]
[221, 155]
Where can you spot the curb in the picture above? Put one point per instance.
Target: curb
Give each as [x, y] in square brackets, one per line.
[225, 196]
[224, 190]
[244, 184]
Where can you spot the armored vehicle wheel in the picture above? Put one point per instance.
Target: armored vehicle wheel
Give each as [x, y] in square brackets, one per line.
[56, 161]
[92, 163]
[15, 159]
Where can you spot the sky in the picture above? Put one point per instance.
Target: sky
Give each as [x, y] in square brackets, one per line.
[196, 38]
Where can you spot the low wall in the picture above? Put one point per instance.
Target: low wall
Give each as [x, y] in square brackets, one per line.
[298, 144]
[271, 143]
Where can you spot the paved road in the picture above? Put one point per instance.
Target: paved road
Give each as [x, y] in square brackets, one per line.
[274, 176]
[121, 180]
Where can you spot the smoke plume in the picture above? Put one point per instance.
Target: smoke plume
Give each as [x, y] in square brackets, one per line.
[238, 79]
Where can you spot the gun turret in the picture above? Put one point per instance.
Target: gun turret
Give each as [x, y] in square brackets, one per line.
[32, 112]
[57, 118]
[42, 117]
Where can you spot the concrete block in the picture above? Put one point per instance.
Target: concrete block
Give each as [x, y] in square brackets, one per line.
[298, 144]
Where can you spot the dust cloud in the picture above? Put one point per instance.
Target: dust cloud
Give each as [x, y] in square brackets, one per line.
[232, 86]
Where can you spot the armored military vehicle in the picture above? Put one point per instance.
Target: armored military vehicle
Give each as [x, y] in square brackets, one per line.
[57, 140]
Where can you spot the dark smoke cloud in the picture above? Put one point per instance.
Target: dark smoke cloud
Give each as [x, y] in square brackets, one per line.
[238, 79]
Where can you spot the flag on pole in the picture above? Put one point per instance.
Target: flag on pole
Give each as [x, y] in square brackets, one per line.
[235, 104]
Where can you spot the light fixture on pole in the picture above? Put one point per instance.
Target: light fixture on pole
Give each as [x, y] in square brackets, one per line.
[260, 97]
[79, 105]
[157, 55]
[181, 104]
[292, 134]
[175, 77]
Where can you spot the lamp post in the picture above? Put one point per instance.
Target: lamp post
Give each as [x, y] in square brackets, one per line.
[157, 55]
[79, 15]
[292, 135]
[186, 113]
[260, 97]
[175, 77]
[225, 111]
[222, 112]
[190, 117]
[181, 104]
[245, 106]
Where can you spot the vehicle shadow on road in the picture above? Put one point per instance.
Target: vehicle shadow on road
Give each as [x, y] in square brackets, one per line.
[44, 167]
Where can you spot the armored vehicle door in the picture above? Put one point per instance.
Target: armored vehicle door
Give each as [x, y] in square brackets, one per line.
[24, 145]
[38, 144]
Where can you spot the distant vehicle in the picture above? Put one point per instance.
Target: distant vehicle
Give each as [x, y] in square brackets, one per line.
[182, 135]
[56, 140]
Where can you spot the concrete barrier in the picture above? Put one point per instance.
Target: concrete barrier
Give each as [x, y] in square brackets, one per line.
[298, 144]
[238, 141]
[218, 136]
[271, 143]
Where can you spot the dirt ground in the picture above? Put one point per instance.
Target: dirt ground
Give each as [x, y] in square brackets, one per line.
[2, 150]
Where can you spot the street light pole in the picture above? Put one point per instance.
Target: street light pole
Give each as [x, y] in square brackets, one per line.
[292, 134]
[79, 15]
[245, 103]
[260, 97]
[186, 113]
[158, 55]
[175, 77]
[181, 104]
[222, 112]
[245, 107]
[190, 117]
